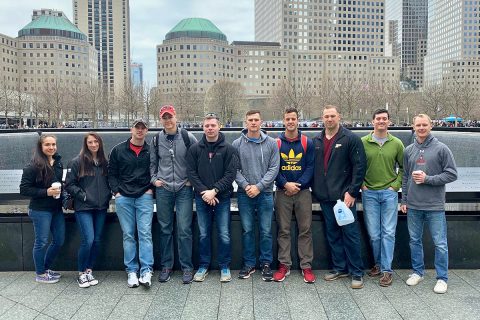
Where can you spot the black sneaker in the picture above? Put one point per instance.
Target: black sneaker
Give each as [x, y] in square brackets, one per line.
[164, 275]
[246, 272]
[267, 273]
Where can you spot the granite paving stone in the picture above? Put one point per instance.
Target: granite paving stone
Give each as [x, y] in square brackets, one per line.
[236, 299]
[5, 304]
[131, 306]
[302, 298]
[169, 301]
[19, 312]
[269, 299]
[336, 298]
[97, 307]
[64, 307]
[22, 298]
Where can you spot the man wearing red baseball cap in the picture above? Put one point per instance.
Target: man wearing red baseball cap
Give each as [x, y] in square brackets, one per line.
[168, 171]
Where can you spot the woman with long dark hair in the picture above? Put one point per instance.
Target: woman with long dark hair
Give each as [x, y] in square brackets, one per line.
[87, 182]
[40, 182]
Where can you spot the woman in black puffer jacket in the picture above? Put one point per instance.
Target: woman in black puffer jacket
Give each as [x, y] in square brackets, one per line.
[87, 182]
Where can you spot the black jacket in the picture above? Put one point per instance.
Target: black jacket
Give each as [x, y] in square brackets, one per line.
[89, 192]
[37, 191]
[346, 167]
[212, 166]
[128, 174]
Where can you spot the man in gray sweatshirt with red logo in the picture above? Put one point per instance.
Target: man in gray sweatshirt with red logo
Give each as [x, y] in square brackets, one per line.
[428, 167]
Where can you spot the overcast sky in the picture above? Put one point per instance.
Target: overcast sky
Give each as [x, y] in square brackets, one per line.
[149, 21]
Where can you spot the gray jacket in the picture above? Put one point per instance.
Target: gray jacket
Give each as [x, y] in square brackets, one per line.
[440, 168]
[259, 161]
[170, 163]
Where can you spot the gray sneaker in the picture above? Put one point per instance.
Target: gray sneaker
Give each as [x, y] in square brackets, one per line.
[164, 275]
[357, 282]
[225, 275]
[334, 275]
[202, 272]
[187, 277]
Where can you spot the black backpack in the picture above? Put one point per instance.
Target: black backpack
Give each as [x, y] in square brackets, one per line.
[185, 137]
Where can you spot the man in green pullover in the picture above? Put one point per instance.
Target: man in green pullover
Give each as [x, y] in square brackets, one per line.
[380, 193]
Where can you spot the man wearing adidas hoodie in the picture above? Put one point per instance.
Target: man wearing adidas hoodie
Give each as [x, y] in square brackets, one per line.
[259, 164]
[429, 166]
[297, 159]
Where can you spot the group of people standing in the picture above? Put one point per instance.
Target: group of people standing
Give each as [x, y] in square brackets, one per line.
[175, 169]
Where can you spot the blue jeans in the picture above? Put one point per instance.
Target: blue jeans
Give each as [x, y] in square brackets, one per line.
[45, 222]
[135, 214]
[437, 225]
[263, 205]
[183, 202]
[344, 241]
[381, 214]
[205, 215]
[91, 224]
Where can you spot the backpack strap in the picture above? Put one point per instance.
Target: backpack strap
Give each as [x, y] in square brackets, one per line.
[185, 137]
[304, 139]
[279, 143]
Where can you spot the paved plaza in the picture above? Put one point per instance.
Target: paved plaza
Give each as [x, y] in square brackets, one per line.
[22, 298]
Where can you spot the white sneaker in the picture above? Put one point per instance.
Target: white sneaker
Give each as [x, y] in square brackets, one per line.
[440, 287]
[414, 279]
[146, 279]
[91, 278]
[82, 281]
[132, 281]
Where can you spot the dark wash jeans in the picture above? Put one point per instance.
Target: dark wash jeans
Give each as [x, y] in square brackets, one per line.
[205, 216]
[90, 223]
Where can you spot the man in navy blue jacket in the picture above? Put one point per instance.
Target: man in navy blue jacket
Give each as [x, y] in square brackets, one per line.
[293, 193]
[340, 166]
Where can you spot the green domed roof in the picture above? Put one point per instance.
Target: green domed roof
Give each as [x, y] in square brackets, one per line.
[51, 26]
[196, 28]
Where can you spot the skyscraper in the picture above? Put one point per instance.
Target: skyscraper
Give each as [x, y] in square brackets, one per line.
[107, 26]
[410, 18]
[322, 25]
[136, 71]
[453, 39]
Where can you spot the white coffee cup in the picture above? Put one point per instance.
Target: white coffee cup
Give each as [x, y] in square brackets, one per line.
[57, 185]
[417, 172]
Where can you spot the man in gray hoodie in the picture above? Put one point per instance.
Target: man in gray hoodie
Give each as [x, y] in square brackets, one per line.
[168, 170]
[259, 164]
[428, 167]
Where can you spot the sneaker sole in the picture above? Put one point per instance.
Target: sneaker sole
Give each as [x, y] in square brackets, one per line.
[187, 282]
[413, 284]
[281, 280]
[337, 277]
[83, 285]
[357, 287]
[133, 285]
[267, 279]
[200, 279]
[163, 281]
[246, 276]
[226, 280]
[145, 284]
[93, 283]
[47, 282]
[304, 280]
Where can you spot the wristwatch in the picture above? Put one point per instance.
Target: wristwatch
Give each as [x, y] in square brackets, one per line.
[216, 190]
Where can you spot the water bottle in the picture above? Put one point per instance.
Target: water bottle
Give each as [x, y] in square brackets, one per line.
[343, 214]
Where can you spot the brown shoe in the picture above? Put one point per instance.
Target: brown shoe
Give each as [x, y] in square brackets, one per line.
[375, 271]
[386, 279]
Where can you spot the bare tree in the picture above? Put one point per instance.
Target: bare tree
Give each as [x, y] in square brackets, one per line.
[187, 101]
[93, 95]
[20, 103]
[227, 99]
[294, 94]
[434, 100]
[398, 100]
[76, 94]
[54, 99]
[348, 92]
[5, 99]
